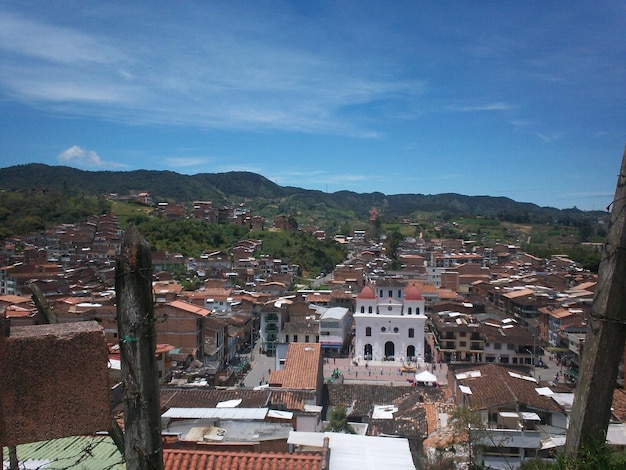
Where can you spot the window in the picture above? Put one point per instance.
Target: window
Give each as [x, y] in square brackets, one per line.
[362, 309]
[399, 293]
[411, 333]
[410, 311]
[369, 309]
[462, 334]
[286, 338]
[463, 344]
[395, 330]
[497, 346]
[295, 338]
[417, 310]
[389, 308]
[383, 329]
[368, 331]
[510, 346]
[306, 339]
[390, 293]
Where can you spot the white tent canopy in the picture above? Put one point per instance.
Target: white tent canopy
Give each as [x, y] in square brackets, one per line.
[425, 376]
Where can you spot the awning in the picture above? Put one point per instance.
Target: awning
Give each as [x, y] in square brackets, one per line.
[529, 416]
[425, 376]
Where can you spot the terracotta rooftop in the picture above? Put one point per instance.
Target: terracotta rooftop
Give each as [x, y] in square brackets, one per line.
[176, 459]
[191, 308]
[293, 400]
[192, 398]
[302, 367]
[497, 385]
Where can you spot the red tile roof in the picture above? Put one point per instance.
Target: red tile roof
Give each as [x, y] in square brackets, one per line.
[191, 308]
[177, 459]
[302, 367]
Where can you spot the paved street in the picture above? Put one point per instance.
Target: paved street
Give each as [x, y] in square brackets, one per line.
[372, 372]
[376, 372]
[262, 365]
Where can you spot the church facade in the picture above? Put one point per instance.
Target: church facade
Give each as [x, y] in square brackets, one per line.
[389, 322]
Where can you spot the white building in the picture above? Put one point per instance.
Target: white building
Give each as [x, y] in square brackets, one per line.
[335, 325]
[389, 322]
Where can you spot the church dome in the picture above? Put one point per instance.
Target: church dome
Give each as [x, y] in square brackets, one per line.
[367, 294]
[412, 293]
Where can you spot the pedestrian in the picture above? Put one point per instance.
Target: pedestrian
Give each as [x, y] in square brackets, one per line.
[357, 374]
[333, 360]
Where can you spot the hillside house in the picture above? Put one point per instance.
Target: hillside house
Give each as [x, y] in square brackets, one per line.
[521, 418]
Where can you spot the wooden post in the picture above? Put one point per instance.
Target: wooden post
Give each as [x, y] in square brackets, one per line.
[43, 307]
[137, 339]
[604, 344]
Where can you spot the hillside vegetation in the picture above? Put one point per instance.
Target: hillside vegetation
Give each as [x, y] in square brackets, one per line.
[36, 197]
[267, 199]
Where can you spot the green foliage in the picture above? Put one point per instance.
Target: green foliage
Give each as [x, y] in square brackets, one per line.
[24, 212]
[129, 210]
[338, 422]
[187, 236]
[595, 456]
[313, 255]
[483, 219]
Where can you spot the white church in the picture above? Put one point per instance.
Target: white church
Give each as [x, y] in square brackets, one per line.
[389, 322]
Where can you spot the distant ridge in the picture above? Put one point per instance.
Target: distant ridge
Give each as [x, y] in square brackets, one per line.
[259, 192]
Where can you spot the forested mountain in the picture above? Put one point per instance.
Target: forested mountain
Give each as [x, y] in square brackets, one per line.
[267, 198]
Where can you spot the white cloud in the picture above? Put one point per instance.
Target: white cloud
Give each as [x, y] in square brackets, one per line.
[81, 157]
[549, 138]
[186, 162]
[495, 106]
[185, 76]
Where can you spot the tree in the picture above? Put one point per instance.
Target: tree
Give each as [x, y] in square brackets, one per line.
[339, 421]
[464, 421]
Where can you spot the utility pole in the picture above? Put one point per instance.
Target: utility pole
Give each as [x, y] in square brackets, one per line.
[606, 333]
[137, 339]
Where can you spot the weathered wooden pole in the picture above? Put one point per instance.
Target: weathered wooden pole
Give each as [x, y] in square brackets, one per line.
[43, 307]
[137, 339]
[604, 345]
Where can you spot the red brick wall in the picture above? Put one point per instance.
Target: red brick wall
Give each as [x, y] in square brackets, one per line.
[54, 382]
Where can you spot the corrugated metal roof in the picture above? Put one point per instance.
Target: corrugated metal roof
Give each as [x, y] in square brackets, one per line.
[93, 452]
[221, 413]
[348, 451]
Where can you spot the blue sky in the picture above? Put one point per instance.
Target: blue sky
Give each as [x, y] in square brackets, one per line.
[508, 98]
